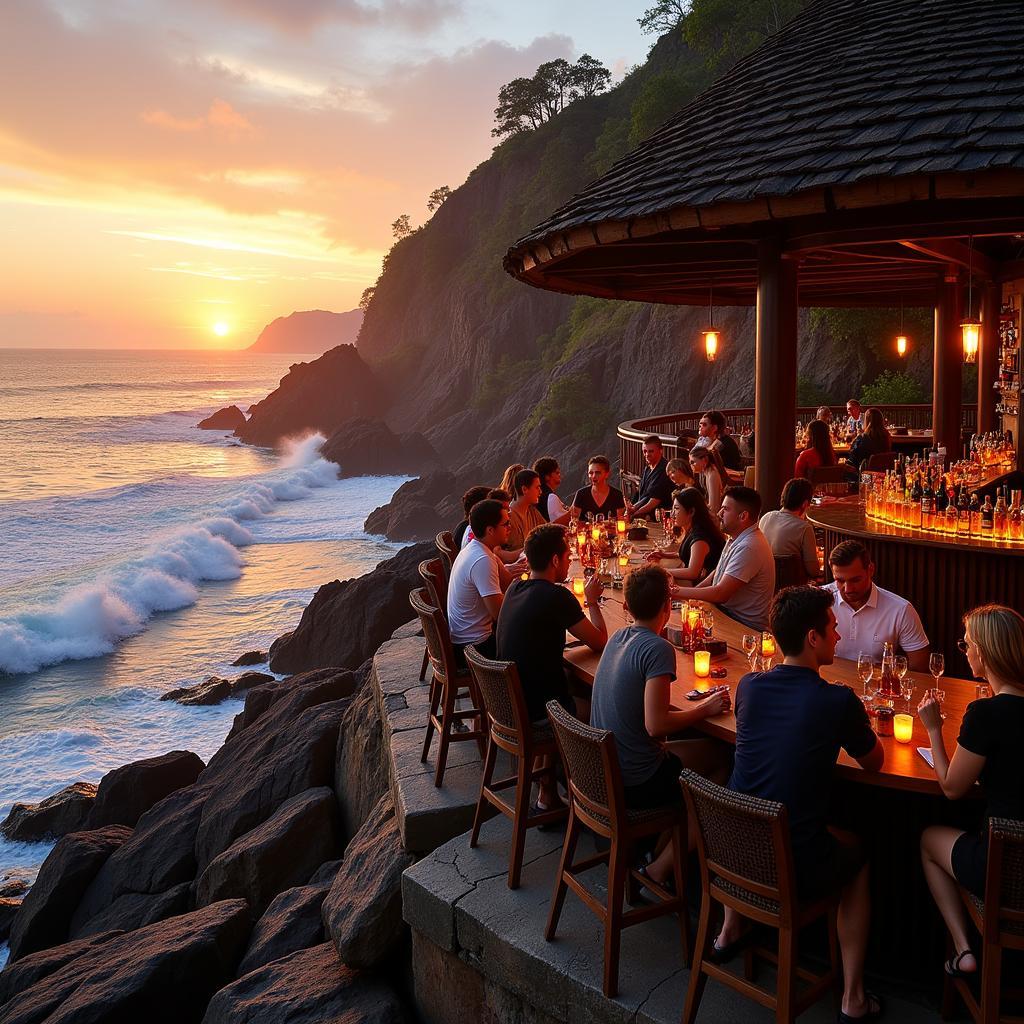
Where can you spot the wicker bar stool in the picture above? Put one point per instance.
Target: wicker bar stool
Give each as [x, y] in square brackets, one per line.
[746, 862]
[789, 572]
[596, 802]
[447, 686]
[435, 579]
[445, 543]
[1001, 926]
[511, 730]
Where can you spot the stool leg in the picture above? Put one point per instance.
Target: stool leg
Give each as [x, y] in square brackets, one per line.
[565, 862]
[426, 662]
[698, 979]
[991, 969]
[618, 867]
[435, 699]
[679, 875]
[522, 811]
[835, 963]
[785, 987]
[485, 781]
[448, 707]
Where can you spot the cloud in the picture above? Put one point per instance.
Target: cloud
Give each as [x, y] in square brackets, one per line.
[301, 17]
[221, 116]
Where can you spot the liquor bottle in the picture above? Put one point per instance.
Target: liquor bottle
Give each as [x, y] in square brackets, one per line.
[987, 517]
[927, 501]
[952, 512]
[889, 685]
[999, 517]
[974, 509]
[963, 513]
[916, 499]
[1015, 519]
[941, 504]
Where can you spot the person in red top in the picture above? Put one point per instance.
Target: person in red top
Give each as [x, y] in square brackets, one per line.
[818, 449]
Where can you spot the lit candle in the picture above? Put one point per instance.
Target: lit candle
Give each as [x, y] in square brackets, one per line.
[692, 616]
[701, 665]
[903, 728]
[595, 533]
[767, 645]
[578, 587]
[620, 526]
[525, 576]
[623, 564]
[581, 539]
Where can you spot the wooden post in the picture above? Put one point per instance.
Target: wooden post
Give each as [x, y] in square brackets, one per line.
[947, 368]
[988, 355]
[775, 372]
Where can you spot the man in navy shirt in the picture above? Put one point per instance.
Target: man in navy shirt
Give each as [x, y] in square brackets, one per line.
[790, 726]
[655, 486]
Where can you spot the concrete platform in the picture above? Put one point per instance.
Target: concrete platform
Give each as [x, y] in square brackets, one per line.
[479, 951]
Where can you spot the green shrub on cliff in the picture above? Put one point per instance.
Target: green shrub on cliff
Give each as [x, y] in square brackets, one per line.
[571, 406]
[892, 387]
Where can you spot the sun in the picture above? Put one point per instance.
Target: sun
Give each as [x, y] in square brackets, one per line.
[220, 328]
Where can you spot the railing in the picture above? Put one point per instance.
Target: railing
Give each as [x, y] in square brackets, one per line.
[672, 426]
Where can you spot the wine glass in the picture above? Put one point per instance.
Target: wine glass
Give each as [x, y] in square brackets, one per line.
[900, 666]
[936, 665]
[751, 641]
[865, 669]
[907, 693]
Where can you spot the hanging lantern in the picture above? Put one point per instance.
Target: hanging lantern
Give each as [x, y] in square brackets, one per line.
[711, 334]
[901, 345]
[970, 327]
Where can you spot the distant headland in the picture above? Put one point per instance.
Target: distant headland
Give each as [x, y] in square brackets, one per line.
[312, 330]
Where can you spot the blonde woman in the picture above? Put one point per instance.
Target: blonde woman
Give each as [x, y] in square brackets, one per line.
[709, 472]
[678, 471]
[988, 751]
[508, 480]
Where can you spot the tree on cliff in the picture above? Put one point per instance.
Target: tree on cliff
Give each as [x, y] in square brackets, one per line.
[402, 227]
[438, 197]
[664, 16]
[367, 297]
[723, 31]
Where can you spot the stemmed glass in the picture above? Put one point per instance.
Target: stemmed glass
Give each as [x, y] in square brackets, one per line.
[751, 642]
[865, 669]
[937, 665]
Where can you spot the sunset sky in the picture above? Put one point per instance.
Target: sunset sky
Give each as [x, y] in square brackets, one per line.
[171, 165]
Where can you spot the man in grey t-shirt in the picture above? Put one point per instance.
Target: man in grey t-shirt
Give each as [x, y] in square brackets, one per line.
[744, 580]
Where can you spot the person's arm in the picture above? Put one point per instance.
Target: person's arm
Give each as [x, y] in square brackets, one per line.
[592, 629]
[913, 640]
[859, 739]
[509, 557]
[716, 593]
[699, 551]
[661, 720]
[713, 482]
[957, 776]
[646, 508]
[488, 577]
[809, 550]
[557, 511]
[492, 602]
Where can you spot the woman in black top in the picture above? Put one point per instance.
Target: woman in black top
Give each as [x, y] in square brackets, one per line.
[875, 440]
[988, 751]
[703, 539]
[600, 498]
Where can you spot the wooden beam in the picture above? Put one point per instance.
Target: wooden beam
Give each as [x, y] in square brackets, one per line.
[947, 367]
[950, 251]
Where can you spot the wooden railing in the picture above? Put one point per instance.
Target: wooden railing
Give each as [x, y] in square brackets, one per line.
[669, 427]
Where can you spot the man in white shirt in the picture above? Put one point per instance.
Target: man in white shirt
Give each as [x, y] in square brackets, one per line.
[744, 580]
[867, 616]
[787, 529]
[854, 417]
[478, 581]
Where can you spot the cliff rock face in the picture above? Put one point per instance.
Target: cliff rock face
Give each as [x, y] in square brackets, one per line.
[316, 396]
[311, 331]
[363, 447]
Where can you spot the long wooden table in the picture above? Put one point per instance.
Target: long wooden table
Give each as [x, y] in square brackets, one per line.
[904, 769]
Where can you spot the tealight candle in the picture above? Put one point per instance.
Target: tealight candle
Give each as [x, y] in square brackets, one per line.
[578, 587]
[620, 526]
[767, 645]
[595, 533]
[581, 538]
[701, 665]
[903, 728]
[525, 576]
[623, 564]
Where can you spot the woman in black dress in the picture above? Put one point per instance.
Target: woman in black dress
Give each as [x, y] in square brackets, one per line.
[600, 498]
[988, 750]
[703, 539]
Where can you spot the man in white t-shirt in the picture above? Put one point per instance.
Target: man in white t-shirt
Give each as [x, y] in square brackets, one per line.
[787, 530]
[478, 581]
[867, 616]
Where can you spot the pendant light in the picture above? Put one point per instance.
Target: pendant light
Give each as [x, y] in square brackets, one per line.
[901, 338]
[711, 334]
[969, 326]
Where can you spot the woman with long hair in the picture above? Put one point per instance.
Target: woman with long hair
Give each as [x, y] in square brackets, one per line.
[678, 470]
[818, 450]
[874, 441]
[508, 479]
[523, 511]
[709, 472]
[988, 751]
[702, 537]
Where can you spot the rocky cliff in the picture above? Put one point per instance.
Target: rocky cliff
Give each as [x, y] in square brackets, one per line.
[310, 331]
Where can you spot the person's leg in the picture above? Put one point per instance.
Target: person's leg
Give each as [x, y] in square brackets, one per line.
[547, 784]
[708, 757]
[853, 924]
[937, 860]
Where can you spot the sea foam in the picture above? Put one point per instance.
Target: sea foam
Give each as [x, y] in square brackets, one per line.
[91, 619]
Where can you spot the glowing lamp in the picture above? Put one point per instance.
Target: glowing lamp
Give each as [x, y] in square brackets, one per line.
[595, 534]
[901, 345]
[578, 587]
[701, 664]
[620, 526]
[581, 538]
[971, 329]
[710, 345]
[903, 728]
[767, 645]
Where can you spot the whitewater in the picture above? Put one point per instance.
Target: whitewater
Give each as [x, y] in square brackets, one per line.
[140, 554]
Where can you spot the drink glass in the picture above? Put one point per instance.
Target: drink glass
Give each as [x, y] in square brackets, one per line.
[865, 669]
[751, 642]
[982, 690]
[907, 693]
[899, 665]
[936, 665]
[707, 621]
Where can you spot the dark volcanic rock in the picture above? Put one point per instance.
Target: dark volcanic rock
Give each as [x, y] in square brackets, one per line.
[57, 815]
[308, 987]
[72, 864]
[232, 418]
[360, 778]
[211, 691]
[247, 680]
[165, 972]
[363, 447]
[278, 854]
[316, 397]
[135, 910]
[126, 793]
[324, 874]
[347, 621]
[32, 968]
[250, 658]
[291, 922]
[419, 509]
[12, 887]
[8, 908]
[363, 910]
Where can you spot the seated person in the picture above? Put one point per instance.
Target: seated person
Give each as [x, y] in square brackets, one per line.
[703, 539]
[550, 505]
[824, 414]
[679, 472]
[790, 726]
[854, 418]
[523, 511]
[874, 441]
[710, 475]
[469, 499]
[655, 486]
[868, 616]
[600, 498]
[744, 579]
[631, 698]
[714, 434]
[787, 529]
[532, 623]
[508, 479]
[817, 451]
[509, 556]
[478, 581]
[988, 751]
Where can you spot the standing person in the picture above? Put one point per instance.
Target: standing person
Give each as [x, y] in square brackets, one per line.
[600, 498]
[818, 450]
[709, 472]
[790, 726]
[469, 499]
[550, 505]
[523, 511]
[532, 623]
[988, 751]
[679, 472]
[713, 433]
[476, 584]
[655, 486]
[703, 539]
[787, 529]
[869, 617]
[632, 699]
[744, 579]
[854, 418]
[874, 441]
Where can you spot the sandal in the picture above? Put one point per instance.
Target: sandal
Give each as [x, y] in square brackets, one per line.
[668, 885]
[872, 1014]
[952, 966]
[723, 954]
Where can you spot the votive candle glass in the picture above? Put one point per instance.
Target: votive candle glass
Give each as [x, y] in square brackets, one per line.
[701, 664]
[903, 728]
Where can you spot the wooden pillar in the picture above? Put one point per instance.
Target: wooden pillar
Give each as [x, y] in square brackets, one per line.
[775, 372]
[947, 369]
[988, 355]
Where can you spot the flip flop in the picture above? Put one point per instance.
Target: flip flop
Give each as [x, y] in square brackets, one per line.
[845, 1018]
[952, 967]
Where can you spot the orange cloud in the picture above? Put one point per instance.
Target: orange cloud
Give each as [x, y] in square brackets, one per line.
[221, 116]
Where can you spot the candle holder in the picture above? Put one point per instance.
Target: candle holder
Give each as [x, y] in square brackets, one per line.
[578, 588]
[701, 665]
[767, 645]
[903, 728]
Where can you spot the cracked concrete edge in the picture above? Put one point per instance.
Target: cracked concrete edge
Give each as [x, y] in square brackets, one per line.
[408, 630]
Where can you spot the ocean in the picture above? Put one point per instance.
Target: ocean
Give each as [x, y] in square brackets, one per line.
[140, 554]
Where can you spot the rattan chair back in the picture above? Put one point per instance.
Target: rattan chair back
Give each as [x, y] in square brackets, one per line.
[434, 577]
[1004, 883]
[882, 461]
[830, 479]
[790, 572]
[435, 631]
[445, 543]
[502, 694]
[592, 769]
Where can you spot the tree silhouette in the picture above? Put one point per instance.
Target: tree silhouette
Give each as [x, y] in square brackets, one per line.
[401, 228]
[438, 197]
[664, 16]
[367, 297]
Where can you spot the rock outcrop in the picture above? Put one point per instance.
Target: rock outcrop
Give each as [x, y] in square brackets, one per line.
[30, 969]
[360, 775]
[135, 910]
[316, 396]
[250, 658]
[365, 447]
[420, 509]
[291, 922]
[63, 812]
[126, 793]
[8, 910]
[310, 331]
[231, 419]
[347, 621]
[216, 689]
